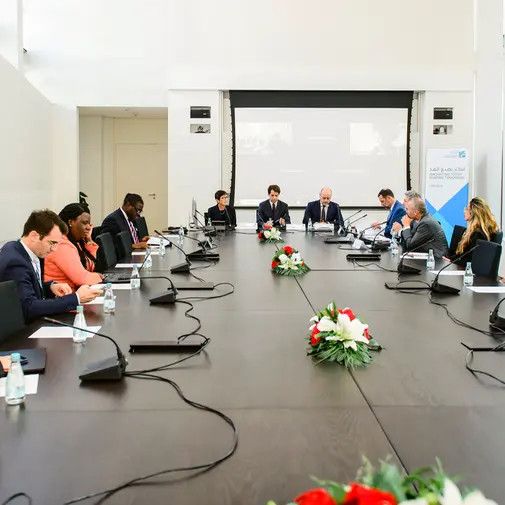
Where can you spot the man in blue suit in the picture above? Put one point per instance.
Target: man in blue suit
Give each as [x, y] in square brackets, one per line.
[324, 210]
[20, 262]
[396, 210]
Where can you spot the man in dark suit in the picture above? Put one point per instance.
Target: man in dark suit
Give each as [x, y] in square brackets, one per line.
[396, 210]
[20, 262]
[428, 229]
[324, 210]
[273, 209]
[124, 219]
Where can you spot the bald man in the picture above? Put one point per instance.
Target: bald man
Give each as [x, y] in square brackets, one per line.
[324, 210]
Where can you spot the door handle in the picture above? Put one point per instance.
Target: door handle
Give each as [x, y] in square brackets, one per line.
[153, 195]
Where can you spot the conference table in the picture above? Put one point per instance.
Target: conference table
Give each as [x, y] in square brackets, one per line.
[415, 402]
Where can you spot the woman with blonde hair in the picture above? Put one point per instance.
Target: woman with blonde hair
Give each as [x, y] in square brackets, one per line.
[481, 226]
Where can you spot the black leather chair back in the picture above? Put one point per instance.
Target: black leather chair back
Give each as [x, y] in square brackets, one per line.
[124, 244]
[11, 313]
[106, 256]
[456, 237]
[497, 237]
[486, 259]
[96, 231]
[142, 227]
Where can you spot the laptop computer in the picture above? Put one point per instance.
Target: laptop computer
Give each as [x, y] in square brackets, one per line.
[121, 277]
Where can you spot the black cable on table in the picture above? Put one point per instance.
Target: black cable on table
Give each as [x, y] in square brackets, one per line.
[204, 466]
[215, 297]
[18, 495]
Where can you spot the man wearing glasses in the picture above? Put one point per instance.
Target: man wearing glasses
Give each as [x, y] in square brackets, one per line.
[124, 219]
[20, 262]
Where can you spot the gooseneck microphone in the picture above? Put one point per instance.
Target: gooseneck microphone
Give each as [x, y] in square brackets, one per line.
[436, 287]
[406, 269]
[107, 369]
[168, 296]
[349, 225]
[352, 215]
[495, 319]
[380, 246]
[181, 267]
[203, 226]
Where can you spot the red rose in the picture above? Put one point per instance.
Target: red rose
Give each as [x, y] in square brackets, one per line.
[274, 264]
[362, 495]
[288, 249]
[313, 339]
[315, 497]
[303, 263]
[260, 235]
[267, 226]
[367, 335]
[348, 312]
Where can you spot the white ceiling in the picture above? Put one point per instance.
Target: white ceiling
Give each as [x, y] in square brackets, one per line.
[132, 112]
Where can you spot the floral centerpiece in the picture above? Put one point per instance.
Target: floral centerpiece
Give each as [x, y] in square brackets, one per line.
[288, 261]
[338, 335]
[269, 234]
[387, 486]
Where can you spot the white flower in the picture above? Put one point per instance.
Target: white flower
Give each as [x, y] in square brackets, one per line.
[267, 233]
[314, 319]
[327, 325]
[351, 330]
[417, 501]
[297, 258]
[452, 496]
[332, 307]
[283, 259]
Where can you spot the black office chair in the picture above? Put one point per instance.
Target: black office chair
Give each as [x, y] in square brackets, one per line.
[11, 313]
[142, 227]
[124, 244]
[106, 255]
[497, 237]
[455, 239]
[486, 259]
[97, 230]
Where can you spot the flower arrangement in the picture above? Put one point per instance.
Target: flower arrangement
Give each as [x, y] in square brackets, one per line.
[288, 261]
[387, 486]
[338, 335]
[269, 234]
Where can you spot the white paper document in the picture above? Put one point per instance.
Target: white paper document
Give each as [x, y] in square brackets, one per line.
[128, 265]
[153, 241]
[59, 332]
[31, 385]
[459, 273]
[155, 252]
[121, 287]
[487, 289]
[97, 301]
[416, 255]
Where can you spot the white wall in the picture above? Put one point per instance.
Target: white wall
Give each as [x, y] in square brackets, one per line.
[98, 141]
[11, 32]
[25, 150]
[98, 52]
[194, 161]
[327, 44]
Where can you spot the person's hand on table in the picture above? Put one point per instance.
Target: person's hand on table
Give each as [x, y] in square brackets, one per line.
[60, 289]
[146, 238]
[86, 294]
[397, 227]
[406, 221]
[282, 221]
[376, 225]
[140, 245]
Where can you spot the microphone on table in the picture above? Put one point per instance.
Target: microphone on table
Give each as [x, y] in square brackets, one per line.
[495, 319]
[380, 246]
[370, 227]
[203, 226]
[107, 369]
[349, 225]
[407, 269]
[436, 287]
[166, 297]
[230, 224]
[181, 267]
[352, 215]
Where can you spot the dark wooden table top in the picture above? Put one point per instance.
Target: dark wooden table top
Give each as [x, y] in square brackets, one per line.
[416, 401]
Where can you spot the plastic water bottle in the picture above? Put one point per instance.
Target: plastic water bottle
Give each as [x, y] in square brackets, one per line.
[394, 246]
[148, 263]
[468, 277]
[15, 390]
[163, 248]
[109, 300]
[310, 226]
[80, 322]
[430, 262]
[181, 235]
[209, 222]
[135, 278]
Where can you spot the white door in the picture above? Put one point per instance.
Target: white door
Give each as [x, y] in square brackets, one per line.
[142, 169]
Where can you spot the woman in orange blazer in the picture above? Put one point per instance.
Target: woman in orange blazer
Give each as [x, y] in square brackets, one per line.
[74, 260]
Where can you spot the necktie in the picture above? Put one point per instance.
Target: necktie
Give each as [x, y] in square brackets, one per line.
[133, 232]
[38, 274]
[323, 214]
[273, 211]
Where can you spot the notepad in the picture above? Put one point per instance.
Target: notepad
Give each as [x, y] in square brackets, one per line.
[416, 255]
[31, 385]
[128, 265]
[448, 272]
[153, 253]
[125, 287]
[487, 289]
[59, 332]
